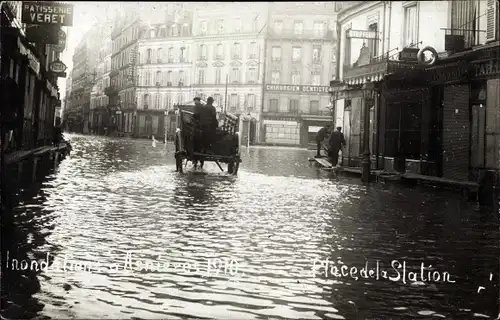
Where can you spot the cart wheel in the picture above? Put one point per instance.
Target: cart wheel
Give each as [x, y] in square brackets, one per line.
[236, 167]
[230, 167]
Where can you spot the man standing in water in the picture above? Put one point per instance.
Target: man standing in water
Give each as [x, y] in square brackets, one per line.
[320, 136]
[336, 143]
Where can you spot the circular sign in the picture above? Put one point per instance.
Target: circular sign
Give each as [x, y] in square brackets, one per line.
[57, 66]
[427, 56]
[61, 35]
[60, 46]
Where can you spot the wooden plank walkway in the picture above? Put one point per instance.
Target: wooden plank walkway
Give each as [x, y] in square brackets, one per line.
[440, 180]
[16, 156]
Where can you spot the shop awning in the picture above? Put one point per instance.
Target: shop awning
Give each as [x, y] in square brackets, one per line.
[377, 71]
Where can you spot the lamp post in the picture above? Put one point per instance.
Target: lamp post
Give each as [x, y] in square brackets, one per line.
[368, 92]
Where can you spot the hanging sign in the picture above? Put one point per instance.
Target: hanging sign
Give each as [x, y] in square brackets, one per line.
[61, 44]
[51, 13]
[362, 34]
[57, 66]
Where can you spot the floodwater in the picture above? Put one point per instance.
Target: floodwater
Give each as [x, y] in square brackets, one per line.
[156, 244]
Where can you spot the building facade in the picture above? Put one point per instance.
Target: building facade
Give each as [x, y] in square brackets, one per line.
[229, 58]
[29, 91]
[84, 73]
[300, 62]
[430, 113]
[165, 73]
[98, 99]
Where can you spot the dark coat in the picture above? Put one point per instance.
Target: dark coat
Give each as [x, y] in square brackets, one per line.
[336, 140]
[205, 116]
[321, 135]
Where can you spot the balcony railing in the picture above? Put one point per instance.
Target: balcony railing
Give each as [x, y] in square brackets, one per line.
[298, 113]
[303, 35]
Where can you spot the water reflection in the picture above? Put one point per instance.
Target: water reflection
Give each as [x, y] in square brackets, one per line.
[115, 200]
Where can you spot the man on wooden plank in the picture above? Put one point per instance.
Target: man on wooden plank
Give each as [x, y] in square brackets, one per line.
[336, 143]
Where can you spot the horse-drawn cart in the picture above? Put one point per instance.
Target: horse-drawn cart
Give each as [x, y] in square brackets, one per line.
[225, 148]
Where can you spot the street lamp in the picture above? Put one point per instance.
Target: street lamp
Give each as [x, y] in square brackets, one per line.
[368, 95]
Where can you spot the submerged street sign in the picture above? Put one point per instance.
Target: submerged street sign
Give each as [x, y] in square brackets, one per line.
[362, 34]
[52, 13]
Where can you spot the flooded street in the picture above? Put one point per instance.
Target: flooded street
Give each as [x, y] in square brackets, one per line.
[161, 245]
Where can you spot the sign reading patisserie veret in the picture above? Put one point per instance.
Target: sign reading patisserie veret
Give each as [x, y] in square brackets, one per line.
[296, 88]
[47, 12]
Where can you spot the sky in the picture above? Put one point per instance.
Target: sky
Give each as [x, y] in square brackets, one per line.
[85, 15]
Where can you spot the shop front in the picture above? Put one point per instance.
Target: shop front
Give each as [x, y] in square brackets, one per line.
[282, 131]
[485, 111]
[151, 123]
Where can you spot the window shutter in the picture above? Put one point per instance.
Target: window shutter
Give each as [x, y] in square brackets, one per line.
[491, 20]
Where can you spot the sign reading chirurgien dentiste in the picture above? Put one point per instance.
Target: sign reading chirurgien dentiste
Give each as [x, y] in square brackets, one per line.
[52, 13]
[297, 88]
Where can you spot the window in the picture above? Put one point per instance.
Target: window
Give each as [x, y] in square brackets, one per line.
[201, 76]
[296, 54]
[179, 98]
[175, 30]
[316, 54]
[203, 52]
[218, 75]
[152, 33]
[233, 102]
[314, 107]
[276, 53]
[298, 27]
[373, 44]
[157, 101]
[218, 99]
[296, 77]
[219, 53]
[158, 78]
[252, 75]
[146, 101]
[181, 78]
[159, 55]
[169, 78]
[181, 57]
[250, 102]
[411, 28]
[170, 55]
[203, 27]
[237, 25]
[315, 79]
[235, 75]
[168, 101]
[273, 105]
[278, 26]
[220, 26]
[275, 77]
[464, 20]
[148, 56]
[252, 52]
[185, 30]
[236, 50]
[319, 28]
[148, 78]
[294, 106]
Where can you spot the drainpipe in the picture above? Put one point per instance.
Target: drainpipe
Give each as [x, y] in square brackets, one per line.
[383, 30]
[389, 29]
[264, 71]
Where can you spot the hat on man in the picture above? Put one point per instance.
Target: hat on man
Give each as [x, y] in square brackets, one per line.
[210, 99]
[197, 99]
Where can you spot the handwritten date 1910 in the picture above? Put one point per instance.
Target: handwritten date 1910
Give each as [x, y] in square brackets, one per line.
[222, 266]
